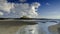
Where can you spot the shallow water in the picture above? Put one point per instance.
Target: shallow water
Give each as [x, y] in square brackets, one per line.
[40, 28]
[43, 27]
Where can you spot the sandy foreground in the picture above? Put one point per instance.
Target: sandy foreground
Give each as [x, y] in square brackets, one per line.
[11, 27]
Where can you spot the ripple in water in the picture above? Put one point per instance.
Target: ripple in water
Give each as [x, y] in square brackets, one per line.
[43, 27]
[29, 29]
[40, 28]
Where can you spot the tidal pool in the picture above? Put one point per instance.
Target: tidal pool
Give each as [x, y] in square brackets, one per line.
[40, 28]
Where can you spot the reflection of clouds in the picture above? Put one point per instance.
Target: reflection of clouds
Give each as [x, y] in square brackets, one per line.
[50, 23]
[32, 29]
[44, 26]
[28, 29]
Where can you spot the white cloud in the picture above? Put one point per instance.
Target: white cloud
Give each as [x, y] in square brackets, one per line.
[6, 6]
[25, 9]
[47, 4]
[52, 16]
[18, 10]
[35, 4]
[22, 0]
[1, 13]
[2, 0]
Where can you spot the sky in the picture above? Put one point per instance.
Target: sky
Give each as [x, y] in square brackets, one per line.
[30, 8]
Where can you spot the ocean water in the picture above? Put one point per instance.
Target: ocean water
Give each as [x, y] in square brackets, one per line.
[40, 28]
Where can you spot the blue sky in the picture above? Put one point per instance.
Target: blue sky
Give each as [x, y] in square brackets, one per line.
[47, 8]
[50, 8]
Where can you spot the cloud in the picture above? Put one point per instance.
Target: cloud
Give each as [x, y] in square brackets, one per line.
[52, 15]
[22, 0]
[6, 6]
[47, 4]
[12, 10]
[25, 9]
[35, 4]
[2, 0]
[1, 13]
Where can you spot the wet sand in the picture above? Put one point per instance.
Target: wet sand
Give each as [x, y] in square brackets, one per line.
[11, 27]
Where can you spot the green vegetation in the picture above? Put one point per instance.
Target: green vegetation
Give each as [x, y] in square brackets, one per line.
[24, 17]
